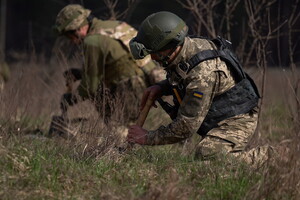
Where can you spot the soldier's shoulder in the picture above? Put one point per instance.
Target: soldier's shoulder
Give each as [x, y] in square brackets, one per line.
[201, 43]
[92, 39]
[201, 71]
[104, 24]
[96, 39]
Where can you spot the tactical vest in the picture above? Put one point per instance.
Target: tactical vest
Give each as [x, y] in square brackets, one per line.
[123, 32]
[240, 99]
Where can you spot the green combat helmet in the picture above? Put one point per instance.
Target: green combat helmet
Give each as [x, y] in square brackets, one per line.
[70, 18]
[159, 31]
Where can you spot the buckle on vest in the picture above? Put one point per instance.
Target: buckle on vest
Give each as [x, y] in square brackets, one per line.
[182, 69]
[183, 66]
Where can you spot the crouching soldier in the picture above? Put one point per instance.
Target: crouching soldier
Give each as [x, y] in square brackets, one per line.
[213, 96]
[109, 70]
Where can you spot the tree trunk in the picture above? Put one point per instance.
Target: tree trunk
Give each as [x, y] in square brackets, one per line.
[3, 30]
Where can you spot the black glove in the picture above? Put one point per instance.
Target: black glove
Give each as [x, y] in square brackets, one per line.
[73, 74]
[68, 99]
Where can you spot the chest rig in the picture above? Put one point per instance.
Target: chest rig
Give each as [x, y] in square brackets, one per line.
[239, 99]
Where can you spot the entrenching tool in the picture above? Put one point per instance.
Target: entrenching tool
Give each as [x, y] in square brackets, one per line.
[140, 122]
[144, 113]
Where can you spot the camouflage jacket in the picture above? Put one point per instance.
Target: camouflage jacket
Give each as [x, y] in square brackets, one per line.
[106, 59]
[205, 81]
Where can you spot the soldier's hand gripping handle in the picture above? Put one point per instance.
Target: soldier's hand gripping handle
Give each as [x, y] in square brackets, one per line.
[149, 96]
[139, 134]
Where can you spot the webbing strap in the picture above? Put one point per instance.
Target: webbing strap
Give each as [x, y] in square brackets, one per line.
[202, 56]
[225, 55]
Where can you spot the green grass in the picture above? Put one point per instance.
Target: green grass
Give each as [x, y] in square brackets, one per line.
[277, 121]
[37, 167]
[48, 169]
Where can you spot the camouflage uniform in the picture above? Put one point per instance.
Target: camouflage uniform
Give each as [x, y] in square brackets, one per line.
[209, 78]
[109, 65]
[107, 61]
[110, 75]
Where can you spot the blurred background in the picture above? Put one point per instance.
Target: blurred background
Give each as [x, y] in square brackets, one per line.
[26, 26]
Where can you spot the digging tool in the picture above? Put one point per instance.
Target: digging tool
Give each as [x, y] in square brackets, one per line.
[140, 122]
[144, 113]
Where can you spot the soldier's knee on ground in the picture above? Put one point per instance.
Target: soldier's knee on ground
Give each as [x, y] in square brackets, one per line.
[258, 156]
[207, 150]
[211, 146]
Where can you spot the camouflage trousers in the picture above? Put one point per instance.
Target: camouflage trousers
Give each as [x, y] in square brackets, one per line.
[232, 137]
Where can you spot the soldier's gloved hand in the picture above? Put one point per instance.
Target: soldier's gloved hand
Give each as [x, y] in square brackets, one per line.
[73, 74]
[68, 99]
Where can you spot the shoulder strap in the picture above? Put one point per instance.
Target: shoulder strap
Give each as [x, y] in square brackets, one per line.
[224, 52]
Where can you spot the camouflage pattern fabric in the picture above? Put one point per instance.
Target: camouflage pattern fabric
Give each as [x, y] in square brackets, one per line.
[71, 17]
[207, 80]
[108, 65]
[232, 136]
[106, 61]
[120, 31]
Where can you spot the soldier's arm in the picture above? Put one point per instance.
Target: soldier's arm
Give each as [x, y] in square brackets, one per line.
[195, 105]
[93, 67]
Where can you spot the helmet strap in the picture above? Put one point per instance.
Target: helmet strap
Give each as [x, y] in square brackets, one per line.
[165, 60]
[89, 20]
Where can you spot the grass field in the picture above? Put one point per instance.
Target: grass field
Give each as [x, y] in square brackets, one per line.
[33, 166]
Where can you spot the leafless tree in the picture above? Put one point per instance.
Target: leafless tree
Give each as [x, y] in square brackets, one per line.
[260, 26]
[3, 30]
[115, 13]
[207, 20]
[203, 13]
[295, 82]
